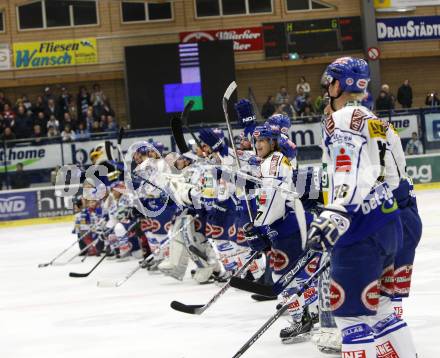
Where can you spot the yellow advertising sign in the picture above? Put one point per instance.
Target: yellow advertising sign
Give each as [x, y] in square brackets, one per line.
[378, 4]
[55, 53]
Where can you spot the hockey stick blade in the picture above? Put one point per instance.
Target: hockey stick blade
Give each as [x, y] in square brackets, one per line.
[44, 265]
[190, 309]
[230, 90]
[185, 113]
[76, 274]
[121, 135]
[177, 130]
[250, 286]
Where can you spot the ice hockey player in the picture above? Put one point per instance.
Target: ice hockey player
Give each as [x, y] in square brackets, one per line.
[360, 224]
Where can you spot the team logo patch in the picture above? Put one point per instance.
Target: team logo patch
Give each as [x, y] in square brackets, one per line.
[402, 279]
[241, 238]
[217, 231]
[354, 354]
[376, 129]
[362, 84]
[386, 350]
[370, 296]
[168, 226]
[387, 280]
[312, 266]
[329, 126]
[232, 231]
[357, 120]
[337, 295]
[343, 161]
[349, 81]
[278, 260]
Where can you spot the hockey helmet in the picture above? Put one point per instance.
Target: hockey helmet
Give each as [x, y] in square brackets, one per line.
[352, 73]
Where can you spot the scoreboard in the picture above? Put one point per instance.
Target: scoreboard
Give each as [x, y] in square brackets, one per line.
[312, 37]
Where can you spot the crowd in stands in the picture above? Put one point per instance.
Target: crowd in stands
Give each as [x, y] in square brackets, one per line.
[63, 115]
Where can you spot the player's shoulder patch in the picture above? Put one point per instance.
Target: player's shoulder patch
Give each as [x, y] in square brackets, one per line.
[376, 128]
[358, 118]
[329, 125]
[285, 161]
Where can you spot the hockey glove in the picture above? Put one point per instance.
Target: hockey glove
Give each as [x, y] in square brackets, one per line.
[326, 229]
[255, 239]
[246, 116]
[216, 143]
[287, 147]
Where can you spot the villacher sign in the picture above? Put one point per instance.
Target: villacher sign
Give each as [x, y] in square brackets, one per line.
[408, 28]
[245, 39]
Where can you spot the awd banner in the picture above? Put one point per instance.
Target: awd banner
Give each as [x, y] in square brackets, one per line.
[43, 54]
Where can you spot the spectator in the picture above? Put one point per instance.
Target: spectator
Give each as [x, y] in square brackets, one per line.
[304, 85]
[52, 132]
[268, 107]
[26, 102]
[51, 108]
[307, 113]
[89, 118]
[405, 95]
[432, 100]
[83, 102]
[47, 96]
[384, 102]
[67, 119]
[320, 102]
[8, 114]
[8, 134]
[23, 124]
[40, 120]
[300, 101]
[37, 135]
[82, 133]
[64, 101]
[96, 127]
[107, 110]
[39, 105]
[288, 109]
[282, 96]
[73, 111]
[19, 179]
[68, 134]
[98, 100]
[111, 125]
[53, 122]
[414, 145]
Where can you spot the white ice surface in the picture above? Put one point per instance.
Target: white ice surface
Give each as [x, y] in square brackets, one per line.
[46, 314]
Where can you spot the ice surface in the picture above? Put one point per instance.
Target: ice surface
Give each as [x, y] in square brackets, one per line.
[46, 314]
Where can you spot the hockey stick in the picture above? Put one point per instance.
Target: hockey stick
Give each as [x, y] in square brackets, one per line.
[284, 307]
[176, 128]
[76, 274]
[282, 282]
[199, 309]
[184, 120]
[147, 259]
[84, 249]
[64, 251]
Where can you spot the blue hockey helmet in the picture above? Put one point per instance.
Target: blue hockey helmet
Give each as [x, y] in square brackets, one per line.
[265, 132]
[352, 73]
[281, 121]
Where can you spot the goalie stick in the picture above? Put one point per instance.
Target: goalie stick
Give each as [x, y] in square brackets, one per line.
[282, 282]
[279, 312]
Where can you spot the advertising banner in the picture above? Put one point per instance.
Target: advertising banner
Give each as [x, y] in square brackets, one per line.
[43, 54]
[408, 28]
[32, 157]
[5, 57]
[423, 168]
[18, 205]
[245, 39]
[432, 127]
[384, 4]
[50, 205]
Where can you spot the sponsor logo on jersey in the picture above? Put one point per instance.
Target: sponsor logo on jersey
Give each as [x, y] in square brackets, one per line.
[354, 354]
[241, 238]
[387, 209]
[402, 279]
[387, 280]
[312, 266]
[337, 295]
[213, 231]
[274, 165]
[386, 350]
[357, 120]
[343, 161]
[278, 260]
[232, 231]
[376, 129]
[329, 125]
[262, 198]
[370, 296]
[349, 81]
[168, 226]
[361, 83]
[197, 225]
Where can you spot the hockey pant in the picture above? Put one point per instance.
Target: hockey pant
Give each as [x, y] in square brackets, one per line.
[126, 241]
[361, 287]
